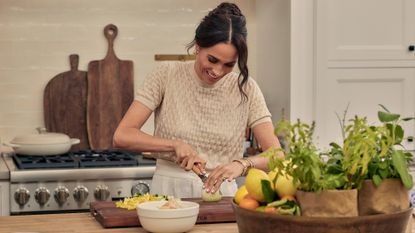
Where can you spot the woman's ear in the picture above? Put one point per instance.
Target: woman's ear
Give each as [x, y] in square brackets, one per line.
[197, 49]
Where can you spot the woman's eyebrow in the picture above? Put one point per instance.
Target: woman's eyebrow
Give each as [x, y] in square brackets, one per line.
[231, 62]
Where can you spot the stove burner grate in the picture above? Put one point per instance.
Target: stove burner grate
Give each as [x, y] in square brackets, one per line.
[50, 161]
[82, 159]
[110, 158]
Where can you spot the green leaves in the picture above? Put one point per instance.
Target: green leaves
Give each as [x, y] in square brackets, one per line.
[305, 163]
[387, 117]
[359, 148]
[396, 132]
[399, 162]
[368, 152]
[269, 194]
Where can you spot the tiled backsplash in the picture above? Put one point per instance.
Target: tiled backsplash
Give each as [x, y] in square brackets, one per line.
[37, 37]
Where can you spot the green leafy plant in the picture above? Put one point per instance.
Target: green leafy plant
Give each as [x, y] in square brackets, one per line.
[360, 147]
[392, 160]
[305, 165]
[370, 152]
[367, 152]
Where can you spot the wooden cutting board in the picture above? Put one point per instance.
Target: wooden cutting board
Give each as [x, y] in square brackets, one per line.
[108, 215]
[110, 93]
[64, 104]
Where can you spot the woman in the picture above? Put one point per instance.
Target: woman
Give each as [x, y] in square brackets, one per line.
[202, 110]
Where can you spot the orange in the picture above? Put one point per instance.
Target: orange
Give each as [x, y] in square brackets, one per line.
[249, 203]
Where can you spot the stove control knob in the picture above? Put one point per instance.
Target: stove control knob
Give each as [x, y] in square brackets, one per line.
[101, 192]
[21, 196]
[80, 193]
[61, 195]
[42, 195]
[140, 188]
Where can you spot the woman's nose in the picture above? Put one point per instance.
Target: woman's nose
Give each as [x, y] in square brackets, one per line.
[217, 71]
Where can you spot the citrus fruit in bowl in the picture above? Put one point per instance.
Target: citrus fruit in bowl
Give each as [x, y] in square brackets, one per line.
[251, 221]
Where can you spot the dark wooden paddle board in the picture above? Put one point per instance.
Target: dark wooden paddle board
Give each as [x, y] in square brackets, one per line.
[64, 104]
[110, 93]
[108, 215]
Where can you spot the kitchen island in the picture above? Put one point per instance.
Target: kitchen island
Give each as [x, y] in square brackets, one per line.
[85, 223]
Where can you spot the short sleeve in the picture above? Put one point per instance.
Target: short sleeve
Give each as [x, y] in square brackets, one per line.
[258, 110]
[151, 91]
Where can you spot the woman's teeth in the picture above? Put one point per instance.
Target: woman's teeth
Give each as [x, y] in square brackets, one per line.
[212, 75]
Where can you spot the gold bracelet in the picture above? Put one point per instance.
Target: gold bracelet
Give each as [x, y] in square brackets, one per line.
[245, 167]
[251, 163]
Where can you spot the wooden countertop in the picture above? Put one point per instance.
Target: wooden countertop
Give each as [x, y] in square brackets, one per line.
[85, 223]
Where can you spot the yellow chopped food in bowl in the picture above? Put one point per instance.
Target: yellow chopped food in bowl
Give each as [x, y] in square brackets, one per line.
[131, 203]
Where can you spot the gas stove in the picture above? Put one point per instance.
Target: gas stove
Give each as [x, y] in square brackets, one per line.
[71, 181]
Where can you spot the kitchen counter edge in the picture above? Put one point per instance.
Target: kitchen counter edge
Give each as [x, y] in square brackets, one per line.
[86, 223]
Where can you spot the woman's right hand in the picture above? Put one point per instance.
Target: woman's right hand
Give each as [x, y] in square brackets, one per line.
[187, 157]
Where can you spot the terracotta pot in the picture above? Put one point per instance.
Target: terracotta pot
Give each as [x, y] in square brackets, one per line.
[42, 143]
[250, 221]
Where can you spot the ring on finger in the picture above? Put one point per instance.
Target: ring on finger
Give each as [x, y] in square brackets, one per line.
[224, 178]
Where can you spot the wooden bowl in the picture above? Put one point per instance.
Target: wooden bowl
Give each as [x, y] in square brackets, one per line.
[250, 221]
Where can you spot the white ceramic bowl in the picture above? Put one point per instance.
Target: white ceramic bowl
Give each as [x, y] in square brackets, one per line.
[157, 220]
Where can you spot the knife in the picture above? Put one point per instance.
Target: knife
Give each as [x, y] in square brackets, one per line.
[199, 173]
[195, 168]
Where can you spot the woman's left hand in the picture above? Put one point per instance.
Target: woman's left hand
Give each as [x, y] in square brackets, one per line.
[221, 173]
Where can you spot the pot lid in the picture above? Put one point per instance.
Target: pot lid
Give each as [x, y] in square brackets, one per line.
[41, 138]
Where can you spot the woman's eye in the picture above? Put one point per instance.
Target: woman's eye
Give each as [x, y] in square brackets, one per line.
[212, 59]
[230, 65]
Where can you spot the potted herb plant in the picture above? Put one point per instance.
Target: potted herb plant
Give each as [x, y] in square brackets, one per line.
[317, 193]
[388, 180]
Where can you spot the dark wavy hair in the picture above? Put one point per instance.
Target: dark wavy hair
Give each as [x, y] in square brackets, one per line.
[225, 24]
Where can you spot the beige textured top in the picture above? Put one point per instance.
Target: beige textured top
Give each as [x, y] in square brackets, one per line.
[210, 118]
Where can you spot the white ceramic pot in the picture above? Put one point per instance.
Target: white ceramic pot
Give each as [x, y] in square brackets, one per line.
[42, 143]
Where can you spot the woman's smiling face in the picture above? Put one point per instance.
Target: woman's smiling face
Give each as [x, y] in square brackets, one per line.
[215, 62]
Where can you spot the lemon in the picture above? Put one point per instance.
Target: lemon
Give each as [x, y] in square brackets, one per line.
[240, 194]
[284, 185]
[211, 197]
[253, 183]
[272, 175]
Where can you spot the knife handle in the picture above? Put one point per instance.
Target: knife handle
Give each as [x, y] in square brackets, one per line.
[196, 169]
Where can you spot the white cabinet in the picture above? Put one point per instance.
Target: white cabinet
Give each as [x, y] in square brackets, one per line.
[360, 57]
[4, 198]
[367, 30]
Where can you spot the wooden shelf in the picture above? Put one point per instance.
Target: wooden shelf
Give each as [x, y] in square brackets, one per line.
[174, 57]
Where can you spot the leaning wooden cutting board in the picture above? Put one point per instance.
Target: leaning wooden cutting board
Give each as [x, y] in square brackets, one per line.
[64, 104]
[110, 93]
[108, 215]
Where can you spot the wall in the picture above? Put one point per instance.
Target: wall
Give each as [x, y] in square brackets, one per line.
[37, 36]
[273, 54]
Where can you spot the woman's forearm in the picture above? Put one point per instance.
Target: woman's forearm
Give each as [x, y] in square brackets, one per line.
[136, 140]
